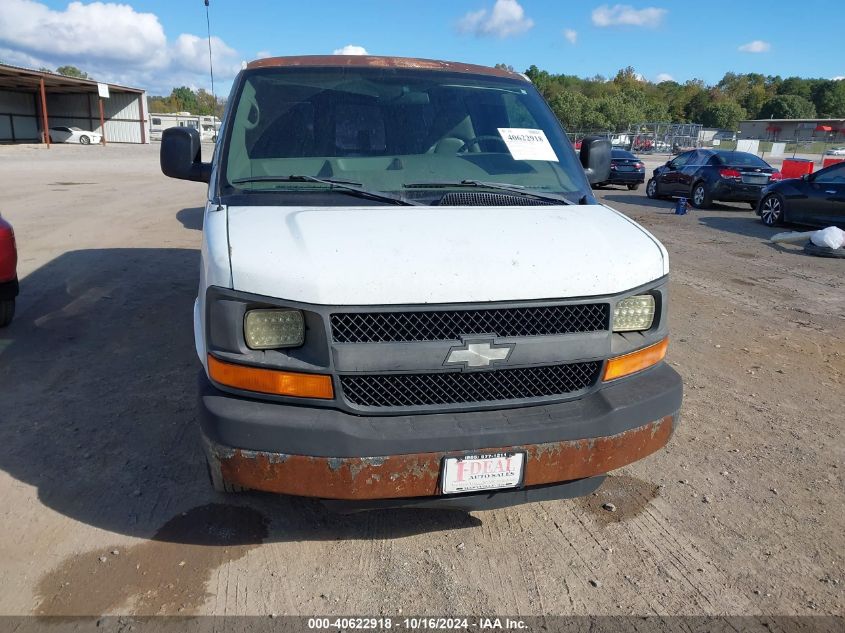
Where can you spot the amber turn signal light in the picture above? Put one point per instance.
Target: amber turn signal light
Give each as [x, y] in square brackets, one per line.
[271, 381]
[635, 361]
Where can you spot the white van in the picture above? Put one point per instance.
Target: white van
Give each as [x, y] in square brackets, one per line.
[409, 295]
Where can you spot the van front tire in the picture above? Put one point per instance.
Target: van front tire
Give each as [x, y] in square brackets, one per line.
[7, 311]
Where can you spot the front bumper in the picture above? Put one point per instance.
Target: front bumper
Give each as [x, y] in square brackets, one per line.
[331, 454]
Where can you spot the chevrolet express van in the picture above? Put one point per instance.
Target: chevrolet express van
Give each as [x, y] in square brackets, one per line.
[409, 295]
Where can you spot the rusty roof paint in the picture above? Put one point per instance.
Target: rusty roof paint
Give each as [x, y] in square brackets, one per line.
[372, 61]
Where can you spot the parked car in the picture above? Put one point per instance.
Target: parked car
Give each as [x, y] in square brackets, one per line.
[332, 368]
[63, 134]
[817, 199]
[8, 273]
[836, 151]
[625, 169]
[705, 175]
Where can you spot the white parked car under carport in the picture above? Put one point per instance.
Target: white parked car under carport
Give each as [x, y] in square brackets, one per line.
[62, 134]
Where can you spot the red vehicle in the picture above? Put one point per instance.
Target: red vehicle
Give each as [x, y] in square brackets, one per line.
[8, 273]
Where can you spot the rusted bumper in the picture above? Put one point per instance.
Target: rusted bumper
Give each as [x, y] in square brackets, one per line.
[418, 475]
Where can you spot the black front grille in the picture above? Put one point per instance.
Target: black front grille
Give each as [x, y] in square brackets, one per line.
[415, 390]
[451, 325]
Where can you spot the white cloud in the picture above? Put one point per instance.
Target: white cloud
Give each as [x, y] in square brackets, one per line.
[111, 42]
[190, 52]
[757, 46]
[350, 49]
[664, 77]
[571, 35]
[838, 78]
[507, 18]
[626, 15]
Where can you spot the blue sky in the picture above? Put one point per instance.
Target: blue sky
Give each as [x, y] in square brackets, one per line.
[160, 43]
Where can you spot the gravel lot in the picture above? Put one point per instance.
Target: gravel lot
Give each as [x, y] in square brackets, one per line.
[105, 507]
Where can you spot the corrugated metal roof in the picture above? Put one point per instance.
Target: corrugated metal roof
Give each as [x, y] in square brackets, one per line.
[815, 120]
[20, 78]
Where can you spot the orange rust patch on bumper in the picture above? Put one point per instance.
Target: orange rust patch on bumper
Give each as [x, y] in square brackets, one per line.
[418, 475]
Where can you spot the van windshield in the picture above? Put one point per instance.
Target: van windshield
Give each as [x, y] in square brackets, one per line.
[413, 132]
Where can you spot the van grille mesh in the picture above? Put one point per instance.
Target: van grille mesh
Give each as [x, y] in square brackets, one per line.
[414, 390]
[451, 325]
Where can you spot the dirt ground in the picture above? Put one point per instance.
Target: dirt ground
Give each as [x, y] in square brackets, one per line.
[105, 505]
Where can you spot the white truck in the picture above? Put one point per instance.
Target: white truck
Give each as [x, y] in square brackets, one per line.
[409, 295]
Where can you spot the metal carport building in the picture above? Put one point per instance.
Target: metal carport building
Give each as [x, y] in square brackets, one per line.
[29, 99]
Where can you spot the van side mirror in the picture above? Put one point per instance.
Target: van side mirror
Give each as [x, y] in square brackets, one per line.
[595, 158]
[181, 155]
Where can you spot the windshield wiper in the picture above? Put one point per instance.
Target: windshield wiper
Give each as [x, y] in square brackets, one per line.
[518, 190]
[353, 188]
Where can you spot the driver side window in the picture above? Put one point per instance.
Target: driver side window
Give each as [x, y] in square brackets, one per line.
[680, 160]
[835, 175]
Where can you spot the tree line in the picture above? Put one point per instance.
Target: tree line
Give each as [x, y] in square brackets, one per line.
[185, 99]
[600, 103]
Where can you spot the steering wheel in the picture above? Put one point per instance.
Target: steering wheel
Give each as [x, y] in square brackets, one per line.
[475, 141]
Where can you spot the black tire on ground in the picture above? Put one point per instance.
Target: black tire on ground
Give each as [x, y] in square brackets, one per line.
[700, 197]
[771, 210]
[651, 189]
[84, 140]
[633, 187]
[7, 311]
[215, 475]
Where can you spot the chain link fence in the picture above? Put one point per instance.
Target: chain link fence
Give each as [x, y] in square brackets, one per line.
[653, 137]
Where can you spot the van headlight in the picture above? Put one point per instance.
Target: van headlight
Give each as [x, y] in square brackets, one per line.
[634, 313]
[272, 329]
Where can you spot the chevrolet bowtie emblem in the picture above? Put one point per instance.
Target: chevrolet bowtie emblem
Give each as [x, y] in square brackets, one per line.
[478, 354]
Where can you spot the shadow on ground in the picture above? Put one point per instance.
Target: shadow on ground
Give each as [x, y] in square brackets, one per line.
[639, 199]
[191, 218]
[98, 382]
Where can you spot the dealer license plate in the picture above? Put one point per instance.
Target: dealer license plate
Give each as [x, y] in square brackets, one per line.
[472, 473]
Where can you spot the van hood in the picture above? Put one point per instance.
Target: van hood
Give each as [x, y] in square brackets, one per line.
[390, 255]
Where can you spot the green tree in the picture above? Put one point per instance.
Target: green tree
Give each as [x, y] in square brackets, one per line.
[698, 103]
[72, 71]
[725, 114]
[830, 99]
[569, 107]
[787, 107]
[206, 103]
[797, 86]
[183, 99]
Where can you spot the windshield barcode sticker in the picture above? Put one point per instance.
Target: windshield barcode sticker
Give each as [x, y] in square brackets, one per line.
[526, 144]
